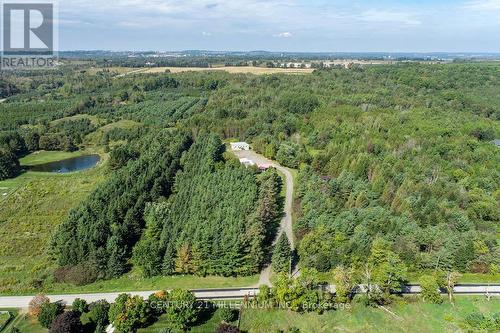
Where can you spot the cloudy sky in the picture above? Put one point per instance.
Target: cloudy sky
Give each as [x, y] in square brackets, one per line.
[281, 25]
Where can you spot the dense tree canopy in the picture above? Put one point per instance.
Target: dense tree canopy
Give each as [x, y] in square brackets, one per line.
[400, 155]
[208, 226]
[102, 232]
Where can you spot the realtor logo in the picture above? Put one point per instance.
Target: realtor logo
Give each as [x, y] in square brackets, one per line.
[28, 35]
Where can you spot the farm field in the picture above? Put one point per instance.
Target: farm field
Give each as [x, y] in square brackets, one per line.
[230, 69]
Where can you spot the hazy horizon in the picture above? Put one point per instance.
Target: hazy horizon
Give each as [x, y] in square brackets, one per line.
[408, 26]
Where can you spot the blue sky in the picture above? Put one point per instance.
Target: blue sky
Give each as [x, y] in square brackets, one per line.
[281, 25]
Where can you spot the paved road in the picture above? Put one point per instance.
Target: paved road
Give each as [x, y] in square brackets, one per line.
[286, 222]
[206, 294]
[228, 294]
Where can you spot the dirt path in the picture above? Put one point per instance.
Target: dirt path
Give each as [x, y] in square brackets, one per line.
[286, 222]
[140, 70]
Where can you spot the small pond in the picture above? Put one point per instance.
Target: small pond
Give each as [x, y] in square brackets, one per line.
[69, 165]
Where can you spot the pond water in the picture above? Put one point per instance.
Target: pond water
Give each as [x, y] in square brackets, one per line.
[69, 165]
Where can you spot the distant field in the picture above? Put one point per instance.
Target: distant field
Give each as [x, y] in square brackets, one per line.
[93, 119]
[118, 70]
[124, 123]
[414, 317]
[232, 70]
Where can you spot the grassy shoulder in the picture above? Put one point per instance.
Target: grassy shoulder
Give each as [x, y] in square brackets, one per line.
[414, 316]
[134, 282]
[414, 277]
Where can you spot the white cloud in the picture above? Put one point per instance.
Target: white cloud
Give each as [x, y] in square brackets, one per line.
[207, 34]
[285, 34]
[383, 16]
[483, 5]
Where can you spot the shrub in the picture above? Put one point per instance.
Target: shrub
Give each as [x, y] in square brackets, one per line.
[9, 164]
[36, 303]
[48, 313]
[228, 315]
[129, 313]
[226, 328]
[79, 275]
[98, 313]
[430, 289]
[182, 317]
[67, 322]
[478, 321]
[80, 306]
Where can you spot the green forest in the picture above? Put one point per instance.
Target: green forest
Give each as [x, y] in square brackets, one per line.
[393, 156]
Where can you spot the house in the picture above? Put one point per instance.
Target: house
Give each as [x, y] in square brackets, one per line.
[240, 146]
[247, 162]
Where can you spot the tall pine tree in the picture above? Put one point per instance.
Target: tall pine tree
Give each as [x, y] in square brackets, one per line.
[282, 255]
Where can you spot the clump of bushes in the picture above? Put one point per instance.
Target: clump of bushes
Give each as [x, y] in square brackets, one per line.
[479, 321]
[227, 328]
[228, 315]
[78, 275]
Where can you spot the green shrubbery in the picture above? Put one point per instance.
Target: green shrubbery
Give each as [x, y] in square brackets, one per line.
[479, 321]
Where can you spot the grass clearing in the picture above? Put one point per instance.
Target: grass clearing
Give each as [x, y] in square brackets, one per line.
[35, 205]
[42, 157]
[93, 119]
[24, 323]
[415, 317]
[124, 123]
[207, 325]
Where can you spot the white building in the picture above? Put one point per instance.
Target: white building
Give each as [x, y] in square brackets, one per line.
[247, 162]
[240, 146]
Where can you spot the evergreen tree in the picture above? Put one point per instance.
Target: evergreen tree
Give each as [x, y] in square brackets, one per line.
[281, 260]
[9, 164]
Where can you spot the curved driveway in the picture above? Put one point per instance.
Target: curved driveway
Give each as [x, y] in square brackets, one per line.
[286, 222]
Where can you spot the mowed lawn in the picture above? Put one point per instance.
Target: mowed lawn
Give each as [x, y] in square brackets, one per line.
[414, 317]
